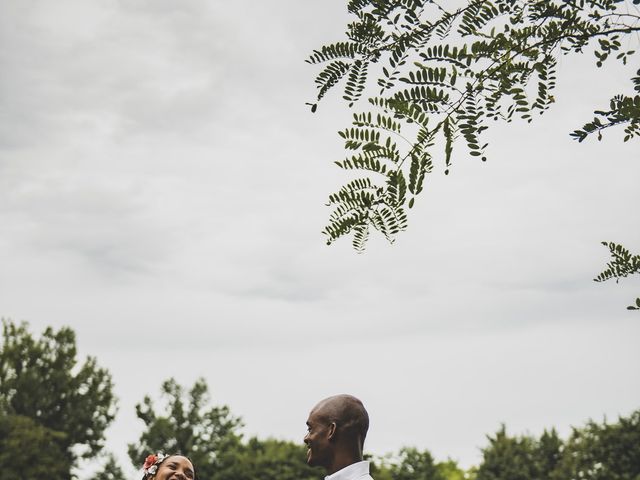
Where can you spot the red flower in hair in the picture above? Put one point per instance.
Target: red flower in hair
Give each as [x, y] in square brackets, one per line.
[149, 461]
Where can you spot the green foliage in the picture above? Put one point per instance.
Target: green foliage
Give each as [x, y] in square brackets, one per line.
[623, 110]
[593, 452]
[209, 436]
[445, 73]
[186, 424]
[379, 468]
[603, 451]
[520, 457]
[416, 465]
[413, 464]
[267, 460]
[450, 470]
[622, 264]
[549, 450]
[29, 450]
[110, 471]
[41, 379]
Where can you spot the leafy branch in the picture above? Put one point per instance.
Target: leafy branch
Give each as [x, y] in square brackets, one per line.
[622, 110]
[443, 75]
[621, 265]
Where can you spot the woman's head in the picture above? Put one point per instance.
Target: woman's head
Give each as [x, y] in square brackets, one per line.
[168, 467]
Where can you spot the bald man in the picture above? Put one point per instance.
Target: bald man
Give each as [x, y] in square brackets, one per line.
[336, 429]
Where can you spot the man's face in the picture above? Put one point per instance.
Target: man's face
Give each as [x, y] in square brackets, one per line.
[317, 440]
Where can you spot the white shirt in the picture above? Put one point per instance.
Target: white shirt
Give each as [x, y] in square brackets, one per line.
[355, 471]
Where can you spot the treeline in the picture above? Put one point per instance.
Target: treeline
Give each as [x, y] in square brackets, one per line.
[54, 410]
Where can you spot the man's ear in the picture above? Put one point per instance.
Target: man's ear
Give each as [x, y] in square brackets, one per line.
[332, 430]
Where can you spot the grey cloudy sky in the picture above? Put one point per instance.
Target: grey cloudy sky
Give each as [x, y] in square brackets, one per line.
[162, 189]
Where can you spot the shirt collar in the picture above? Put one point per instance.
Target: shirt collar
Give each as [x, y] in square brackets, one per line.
[350, 472]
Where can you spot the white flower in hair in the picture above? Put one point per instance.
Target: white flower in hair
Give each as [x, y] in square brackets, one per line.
[151, 463]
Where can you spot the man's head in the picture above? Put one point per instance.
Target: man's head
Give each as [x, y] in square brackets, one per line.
[336, 429]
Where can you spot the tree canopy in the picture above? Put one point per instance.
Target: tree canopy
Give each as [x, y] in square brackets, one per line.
[413, 464]
[110, 470]
[603, 451]
[445, 72]
[269, 459]
[29, 450]
[188, 425]
[48, 397]
[210, 436]
[519, 457]
[596, 451]
[186, 422]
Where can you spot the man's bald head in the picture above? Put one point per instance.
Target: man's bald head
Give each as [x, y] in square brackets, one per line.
[336, 429]
[349, 415]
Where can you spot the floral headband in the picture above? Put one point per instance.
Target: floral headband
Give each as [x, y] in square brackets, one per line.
[152, 462]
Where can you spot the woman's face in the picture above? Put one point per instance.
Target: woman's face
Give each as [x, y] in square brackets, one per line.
[176, 467]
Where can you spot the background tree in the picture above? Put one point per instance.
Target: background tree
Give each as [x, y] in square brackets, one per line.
[451, 471]
[29, 450]
[47, 397]
[380, 467]
[548, 452]
[445, 70]
[186, 424]
[519, 457]
[412, 464]
[110, 470]
[607, 451]
[267, 460]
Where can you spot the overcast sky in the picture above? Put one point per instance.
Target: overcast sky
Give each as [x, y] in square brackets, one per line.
[162, 190]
